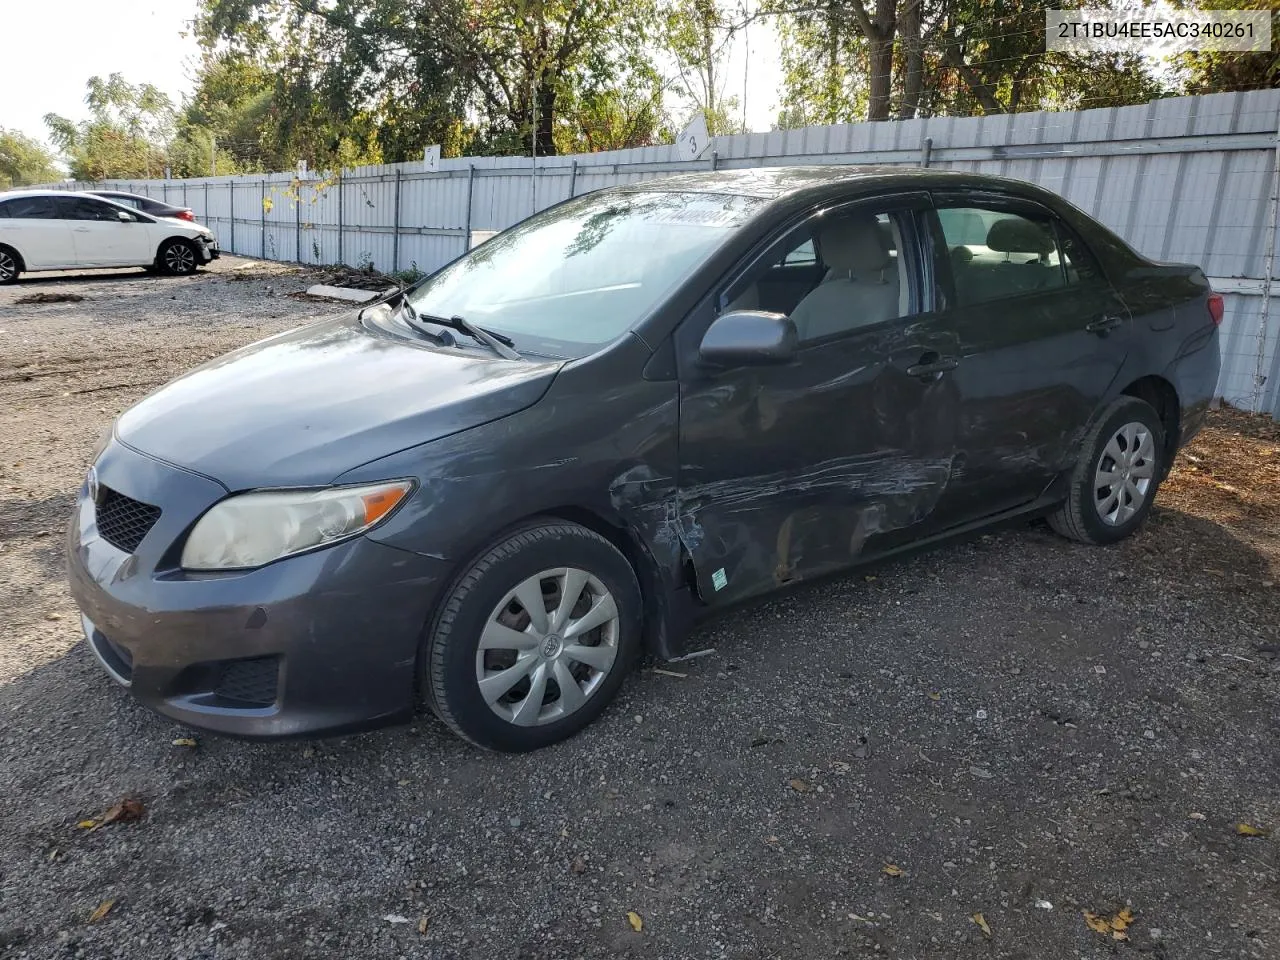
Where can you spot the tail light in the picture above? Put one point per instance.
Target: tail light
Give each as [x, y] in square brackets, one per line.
[186, 215]
[1215, 308]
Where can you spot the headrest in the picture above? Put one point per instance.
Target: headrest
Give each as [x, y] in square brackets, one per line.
[1016, 235]
[852, 245]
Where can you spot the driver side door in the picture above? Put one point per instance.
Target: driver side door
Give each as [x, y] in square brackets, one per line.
[101, 237]
[795, 470]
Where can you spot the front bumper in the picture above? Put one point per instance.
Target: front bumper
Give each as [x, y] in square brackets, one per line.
[208, 249]
[325, 642]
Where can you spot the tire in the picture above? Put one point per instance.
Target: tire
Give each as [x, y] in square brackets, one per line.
[10, 265]
[177, 258]
[1100, 513]
[485, 602]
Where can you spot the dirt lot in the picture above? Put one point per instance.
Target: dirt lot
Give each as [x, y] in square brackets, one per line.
[953, 756]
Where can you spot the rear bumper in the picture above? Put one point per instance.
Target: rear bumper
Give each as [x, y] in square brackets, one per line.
[321, 643]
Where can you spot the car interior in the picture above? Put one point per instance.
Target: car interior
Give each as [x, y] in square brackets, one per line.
[1000, 255]
[843, 274]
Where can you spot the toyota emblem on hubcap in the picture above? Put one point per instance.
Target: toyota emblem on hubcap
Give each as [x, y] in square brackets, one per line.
[551, 647]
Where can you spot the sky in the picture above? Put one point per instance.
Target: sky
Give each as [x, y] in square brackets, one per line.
[143, 40]
[140, 39]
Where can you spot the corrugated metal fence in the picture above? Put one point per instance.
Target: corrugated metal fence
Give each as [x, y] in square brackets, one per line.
[1189, 179]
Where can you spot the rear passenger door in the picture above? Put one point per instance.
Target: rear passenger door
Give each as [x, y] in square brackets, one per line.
[1042, 336]
[31, 226]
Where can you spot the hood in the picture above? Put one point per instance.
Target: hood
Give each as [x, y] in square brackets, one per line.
[305, 406]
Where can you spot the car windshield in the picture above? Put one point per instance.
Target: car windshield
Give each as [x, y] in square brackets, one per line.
[578, 275]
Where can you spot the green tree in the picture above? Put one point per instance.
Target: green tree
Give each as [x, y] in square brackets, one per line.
[390, 76]
[696, 35]
[848, 60]
[1212, 72]
[125, 135]
[24, 162]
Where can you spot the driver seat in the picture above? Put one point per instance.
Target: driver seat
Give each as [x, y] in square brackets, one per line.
[861, 286]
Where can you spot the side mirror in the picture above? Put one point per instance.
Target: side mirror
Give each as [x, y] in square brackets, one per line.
[749, 338]
[124, 217]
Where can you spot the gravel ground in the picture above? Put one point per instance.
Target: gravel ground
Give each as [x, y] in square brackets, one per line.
[950, 756]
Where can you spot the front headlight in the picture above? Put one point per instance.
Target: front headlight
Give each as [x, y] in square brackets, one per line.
[253, 529]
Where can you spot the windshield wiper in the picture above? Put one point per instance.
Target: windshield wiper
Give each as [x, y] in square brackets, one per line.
[442, 337]
[502, 345]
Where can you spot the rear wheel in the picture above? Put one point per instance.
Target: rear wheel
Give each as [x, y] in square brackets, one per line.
[8, 265]
[177, 258]
[1115, 482]
[534, 640]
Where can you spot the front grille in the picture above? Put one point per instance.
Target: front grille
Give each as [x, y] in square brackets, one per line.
[123, 521]
[251, 682]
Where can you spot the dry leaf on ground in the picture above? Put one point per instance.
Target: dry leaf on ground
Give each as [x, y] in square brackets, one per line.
[102, 910]
[981, 921]
[423, 923]
[1248, 830]
[1114, 926]
[125, 811]
[184, 742]
[893, 870]
[799, 786]
[636, 921]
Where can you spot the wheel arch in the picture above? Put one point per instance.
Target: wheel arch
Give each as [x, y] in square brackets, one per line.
[1163, 397]
[168, 240]
[22, 263]
[664, 621]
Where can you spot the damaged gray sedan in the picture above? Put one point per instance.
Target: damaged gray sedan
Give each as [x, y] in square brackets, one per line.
[490, 493]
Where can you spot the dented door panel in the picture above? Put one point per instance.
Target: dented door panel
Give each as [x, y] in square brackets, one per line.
[788, 473]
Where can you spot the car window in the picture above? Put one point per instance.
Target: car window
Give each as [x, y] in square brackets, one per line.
[1080, 263]
[82, 208]
[804, 254]
[997, 254]
[580, 274]
[4, 210]
[32, 208]
[833, 274]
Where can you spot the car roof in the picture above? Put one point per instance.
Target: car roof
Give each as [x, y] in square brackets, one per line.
[776, 183]
[10, 194]
[87, 194]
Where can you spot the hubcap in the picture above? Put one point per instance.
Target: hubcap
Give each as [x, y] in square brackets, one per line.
[547, 647]
[179, 258]
[1125, 472]
[7, 266]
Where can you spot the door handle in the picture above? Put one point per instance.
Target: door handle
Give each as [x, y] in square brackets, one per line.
[1104, 325]
[931, 366]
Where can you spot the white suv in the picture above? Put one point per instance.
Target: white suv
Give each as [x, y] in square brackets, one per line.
[64, 230]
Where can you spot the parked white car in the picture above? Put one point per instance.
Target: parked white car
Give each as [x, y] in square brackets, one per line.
[65, 230]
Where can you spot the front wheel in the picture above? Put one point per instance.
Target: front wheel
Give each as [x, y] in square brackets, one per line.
[177, 258]
[535, 638]
[1115, 481]
[8, 266]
